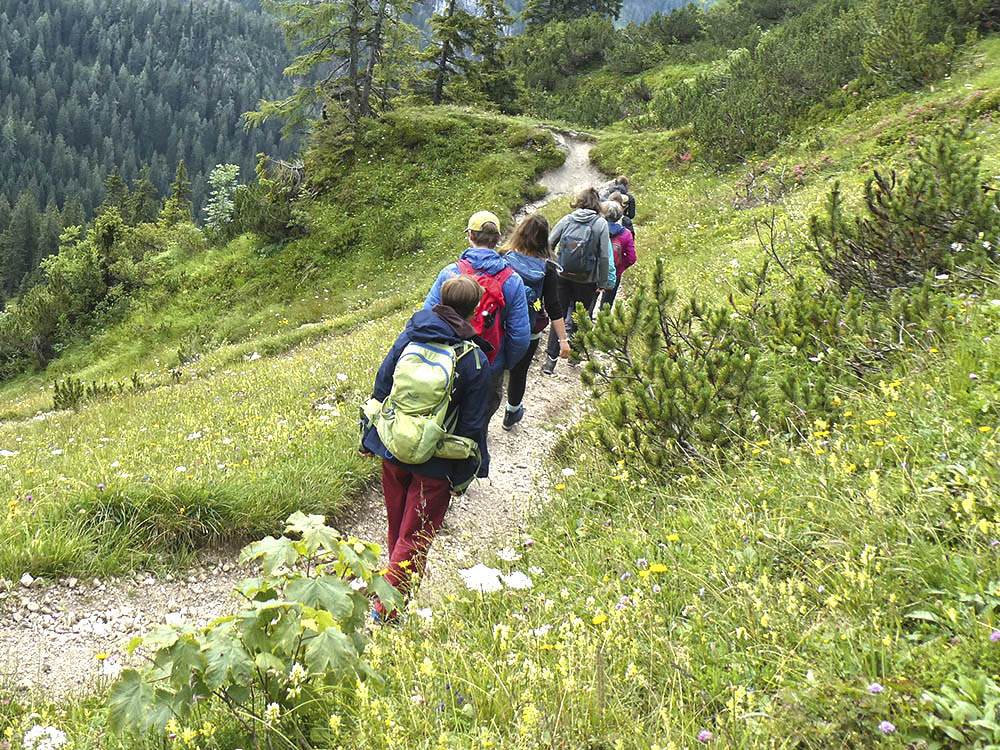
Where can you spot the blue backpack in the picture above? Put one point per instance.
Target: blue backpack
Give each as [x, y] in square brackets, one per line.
[532, 273]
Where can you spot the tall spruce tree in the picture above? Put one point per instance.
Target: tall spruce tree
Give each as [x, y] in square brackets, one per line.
[453, 34]
[341, 43]
[19, 244]
[177, 207]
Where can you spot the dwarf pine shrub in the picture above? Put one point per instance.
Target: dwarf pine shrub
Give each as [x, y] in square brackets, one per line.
[679, 382]
[937, 218]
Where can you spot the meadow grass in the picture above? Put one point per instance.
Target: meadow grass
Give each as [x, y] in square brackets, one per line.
[235, 443]
[813, 594]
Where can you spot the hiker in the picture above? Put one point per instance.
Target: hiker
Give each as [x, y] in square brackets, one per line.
[622, 249]
[625, 220]
[425, 420]
[620, 185]
[502, 317]
[583, 248]
[527, 252]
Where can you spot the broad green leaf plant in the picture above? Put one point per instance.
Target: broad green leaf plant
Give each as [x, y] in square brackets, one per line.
[296, 645]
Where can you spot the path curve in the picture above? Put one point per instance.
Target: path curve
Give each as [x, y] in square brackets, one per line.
[51, 636]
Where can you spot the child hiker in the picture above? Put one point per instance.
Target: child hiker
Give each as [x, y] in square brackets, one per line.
[426, 420]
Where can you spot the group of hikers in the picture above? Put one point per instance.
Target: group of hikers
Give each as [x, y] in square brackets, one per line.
[443, 379]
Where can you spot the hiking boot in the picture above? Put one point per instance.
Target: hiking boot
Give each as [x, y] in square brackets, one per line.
[549, 368]
[511, 418]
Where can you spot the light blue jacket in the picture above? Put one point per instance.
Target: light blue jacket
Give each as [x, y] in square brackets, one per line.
[514, 318]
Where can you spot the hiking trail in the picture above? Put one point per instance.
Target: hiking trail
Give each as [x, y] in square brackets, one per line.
[52, 634]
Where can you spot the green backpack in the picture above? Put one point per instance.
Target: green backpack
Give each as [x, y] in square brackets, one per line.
[413, 421]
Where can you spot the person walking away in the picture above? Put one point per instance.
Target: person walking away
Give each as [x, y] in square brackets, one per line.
[425, 420]
[622, 249]
[583, 250]
[625, 220]
[620, 185]
[502, 316]
[527, 252]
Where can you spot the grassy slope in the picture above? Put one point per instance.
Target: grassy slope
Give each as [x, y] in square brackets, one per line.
[238, 444]
[786, 583]
[789, 584]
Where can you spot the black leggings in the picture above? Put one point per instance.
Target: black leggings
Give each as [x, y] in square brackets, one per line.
[518, 380]
[571, 292]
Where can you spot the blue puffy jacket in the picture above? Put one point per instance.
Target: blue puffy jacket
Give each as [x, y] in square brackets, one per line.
[514, 318]
[471, 393]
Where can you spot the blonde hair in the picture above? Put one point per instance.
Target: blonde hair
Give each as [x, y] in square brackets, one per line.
[461, 293]
[612, 210]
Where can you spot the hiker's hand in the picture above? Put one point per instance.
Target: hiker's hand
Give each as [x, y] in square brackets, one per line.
[366, 454]
[563, 349]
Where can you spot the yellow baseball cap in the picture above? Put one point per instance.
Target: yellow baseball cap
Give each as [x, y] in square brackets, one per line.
[479, 218]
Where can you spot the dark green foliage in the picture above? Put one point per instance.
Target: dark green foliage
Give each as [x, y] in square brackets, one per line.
[753, 99]
[88, 86]
[557, 50]
[270, 207]
[937, 217]
[905, 47]
[177, 207]
[678, 382]
[680, 26]
[538, 13]
[72, 392]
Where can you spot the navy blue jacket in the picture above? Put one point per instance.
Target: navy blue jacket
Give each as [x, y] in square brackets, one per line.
[514, 318]
[471, 393]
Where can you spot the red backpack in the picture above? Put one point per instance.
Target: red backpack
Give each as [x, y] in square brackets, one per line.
[486, 320]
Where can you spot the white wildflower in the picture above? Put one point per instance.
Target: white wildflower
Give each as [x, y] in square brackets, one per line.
[44, 738]
[507, 554]
[8, 454]
[194, 435]
[425, 613]
[568, 472]
[253, 358]
[481, 578]
[517, 580]
[181, 469]
[341, 377]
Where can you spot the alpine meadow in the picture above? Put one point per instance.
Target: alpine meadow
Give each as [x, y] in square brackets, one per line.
[758, 506]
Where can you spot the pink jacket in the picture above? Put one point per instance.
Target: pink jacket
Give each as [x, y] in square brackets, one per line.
[620, 235]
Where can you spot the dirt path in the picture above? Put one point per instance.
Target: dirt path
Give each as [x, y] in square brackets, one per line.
[51, 636]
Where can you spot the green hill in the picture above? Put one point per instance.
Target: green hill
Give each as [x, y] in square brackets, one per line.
[780, 528]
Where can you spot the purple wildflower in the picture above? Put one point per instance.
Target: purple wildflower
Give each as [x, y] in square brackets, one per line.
[875, 688]
[886, 727]
[704, 736]
[995, 636]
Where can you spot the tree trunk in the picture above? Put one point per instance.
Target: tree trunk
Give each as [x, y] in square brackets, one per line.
[442, 70]
[374, 53]
[353, 43]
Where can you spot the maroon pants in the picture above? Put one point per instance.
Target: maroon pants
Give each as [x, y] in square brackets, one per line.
[415, 506]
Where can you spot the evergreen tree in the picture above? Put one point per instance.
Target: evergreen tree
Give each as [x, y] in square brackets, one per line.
[494, 77]
[342, 42]
[177, 207]
[116, 193]
[540, 12]
[144, 203]
[453, 33]
[19, 244]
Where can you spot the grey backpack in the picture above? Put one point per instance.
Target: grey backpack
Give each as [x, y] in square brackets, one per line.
[578, 250]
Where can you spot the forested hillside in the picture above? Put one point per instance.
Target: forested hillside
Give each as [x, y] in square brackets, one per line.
[89, 87]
